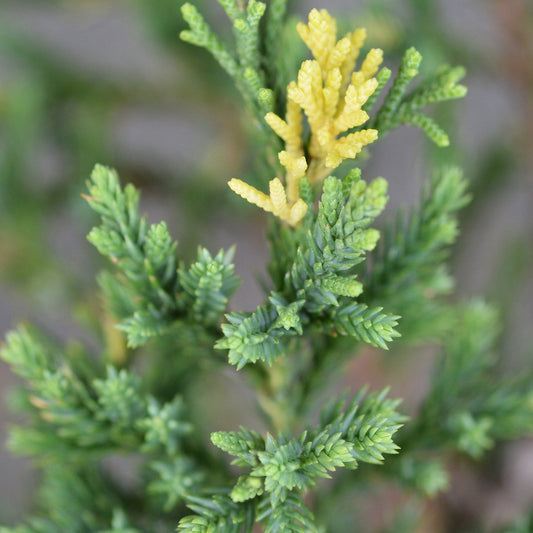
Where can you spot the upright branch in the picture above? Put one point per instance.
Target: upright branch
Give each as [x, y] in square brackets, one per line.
[336, 287]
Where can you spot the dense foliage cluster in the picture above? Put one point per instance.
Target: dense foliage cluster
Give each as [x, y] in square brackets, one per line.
[337, 285]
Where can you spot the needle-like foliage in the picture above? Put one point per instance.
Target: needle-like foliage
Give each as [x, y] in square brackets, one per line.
[156, 291]
[137, 404]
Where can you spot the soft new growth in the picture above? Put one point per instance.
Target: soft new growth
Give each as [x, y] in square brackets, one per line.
[331, 96]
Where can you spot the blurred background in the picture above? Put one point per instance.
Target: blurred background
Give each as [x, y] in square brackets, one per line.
[110, 82]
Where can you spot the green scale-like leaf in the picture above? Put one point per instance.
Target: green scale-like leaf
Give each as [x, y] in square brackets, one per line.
[145, 255]
[408, 271]
[218, 514]
[150, 294]
[176, 480]
[291, 517]
[360, 431]
[253, 337]
[208, 284]
[320, 281]
[401, 108]
[470, 404]
[243, 63]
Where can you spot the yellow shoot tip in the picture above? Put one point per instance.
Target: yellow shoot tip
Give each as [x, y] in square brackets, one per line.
[278, 197]
[297, 212]
[276, 203]
[251, 194]
[372, 62]
[349, 146]
[331, 95]
[290, 214]
[319, 34]
[296, 166]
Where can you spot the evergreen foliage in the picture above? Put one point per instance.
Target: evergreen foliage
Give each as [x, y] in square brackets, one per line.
[474, 406]
[98, 415]
[401, 108]
[243, 62]
[335, 287]
[412, 254]
[319, 288]
[346, 436]
[152, 291]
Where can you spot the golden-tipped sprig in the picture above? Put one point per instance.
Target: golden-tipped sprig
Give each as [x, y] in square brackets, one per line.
[331, 95]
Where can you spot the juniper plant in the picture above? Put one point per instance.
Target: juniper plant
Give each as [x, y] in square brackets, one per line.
[336, 286]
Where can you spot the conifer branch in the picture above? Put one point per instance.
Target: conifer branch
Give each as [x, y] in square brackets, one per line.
[319, 286]
[281, 468]
[152, 293]
[200, 34]
[146, 256]
[208, 284]
[275, 16]
[400, 107]
[244, 63]
[358, 432]
[407, 272]
[334, 286]
[68, 494]
[176, 479]
[219, 514]
[293, 516]
[469, 407]
[75, 412]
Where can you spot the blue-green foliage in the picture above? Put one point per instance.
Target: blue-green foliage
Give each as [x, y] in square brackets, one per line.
[250, 337]
[470, 406]
[251, 76]
[207, 285]
[78, 499]
[70, 409]
[76, 418]
[176, 478]
[281, 468]
[243, 62]
[251, 61]
[151, 293]
[119, 399]
[319, 288]
[408, 271]
[293, 516]
[333, 289]
[426, 476]
[360, 431]
[144, 255]
[400, 107]
[217, 514]
[164, 426]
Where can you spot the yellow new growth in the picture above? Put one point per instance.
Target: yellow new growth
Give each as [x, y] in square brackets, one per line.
[276, 203]
[331, 96]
